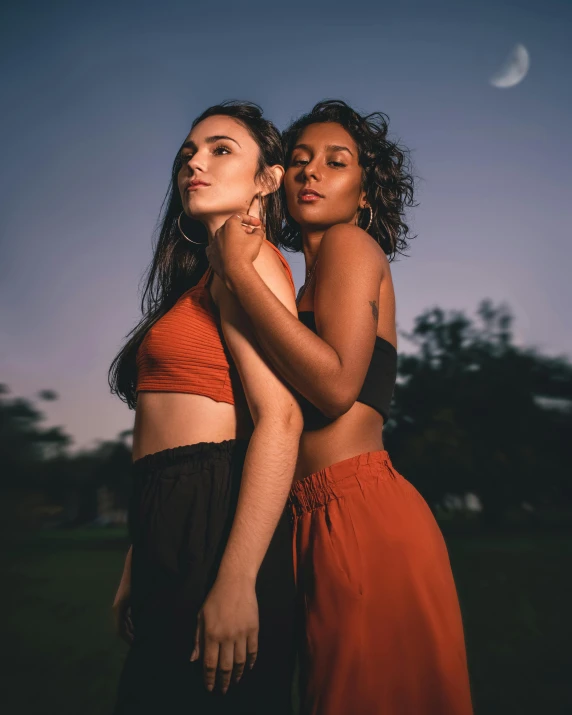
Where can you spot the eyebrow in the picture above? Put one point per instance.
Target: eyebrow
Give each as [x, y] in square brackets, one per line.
[330, 147]
[209, 140]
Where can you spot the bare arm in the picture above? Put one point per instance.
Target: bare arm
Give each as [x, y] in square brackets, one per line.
[328, 369]
[229, 617]
[273, 447]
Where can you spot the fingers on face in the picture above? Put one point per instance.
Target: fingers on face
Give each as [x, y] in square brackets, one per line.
[252, 231]
[246, 219]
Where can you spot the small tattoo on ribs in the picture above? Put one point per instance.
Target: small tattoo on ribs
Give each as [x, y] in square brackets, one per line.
[374, 310]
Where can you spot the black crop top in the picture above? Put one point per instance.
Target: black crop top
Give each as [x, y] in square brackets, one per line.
[377, 388]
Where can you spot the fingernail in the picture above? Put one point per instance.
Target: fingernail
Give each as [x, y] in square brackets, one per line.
[224, 691]
[209, 687]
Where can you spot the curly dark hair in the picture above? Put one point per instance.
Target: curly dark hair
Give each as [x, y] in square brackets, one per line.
[386, 177]
[178, 265]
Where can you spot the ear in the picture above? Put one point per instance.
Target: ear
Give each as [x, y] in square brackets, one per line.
[272, 180]
[363, 202]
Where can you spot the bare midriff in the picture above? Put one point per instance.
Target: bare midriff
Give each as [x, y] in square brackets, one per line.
[356, 432]
[164, 420]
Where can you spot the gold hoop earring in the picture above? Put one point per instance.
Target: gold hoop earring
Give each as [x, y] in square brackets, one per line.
[370, 218]
[184, 235]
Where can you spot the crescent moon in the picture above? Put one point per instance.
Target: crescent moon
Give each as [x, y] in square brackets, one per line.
[514, 69]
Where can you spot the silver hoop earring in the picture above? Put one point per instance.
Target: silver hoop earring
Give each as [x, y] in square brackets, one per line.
[370, 218]
[184, 235]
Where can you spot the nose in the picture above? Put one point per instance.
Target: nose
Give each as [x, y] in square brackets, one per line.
[311, 171]
[197, 162]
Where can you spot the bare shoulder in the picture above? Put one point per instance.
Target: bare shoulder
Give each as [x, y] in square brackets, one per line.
[268, 256]
[275, 272]
[352, 245]
[270, 268]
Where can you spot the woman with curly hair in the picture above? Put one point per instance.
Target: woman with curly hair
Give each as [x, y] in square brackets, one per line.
[382, 625]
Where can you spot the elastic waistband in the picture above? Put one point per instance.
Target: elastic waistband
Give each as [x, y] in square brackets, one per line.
[329, 483]
[189, 453]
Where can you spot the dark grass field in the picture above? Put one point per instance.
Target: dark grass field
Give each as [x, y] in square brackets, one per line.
[59, 654]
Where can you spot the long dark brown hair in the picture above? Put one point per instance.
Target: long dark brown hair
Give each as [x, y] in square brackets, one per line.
[177, 264]
[386, 174]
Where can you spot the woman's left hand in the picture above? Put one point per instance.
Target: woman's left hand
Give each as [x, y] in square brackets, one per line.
[235, 246]
[227, 631]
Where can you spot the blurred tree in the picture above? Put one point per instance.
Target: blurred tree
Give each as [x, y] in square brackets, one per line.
[114, 467]
[47, 395]
[35, 459]
[73, 481]
[470, 412]
[24, 443]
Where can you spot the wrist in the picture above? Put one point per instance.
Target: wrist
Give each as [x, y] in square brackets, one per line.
[235, 577]
[239, 274]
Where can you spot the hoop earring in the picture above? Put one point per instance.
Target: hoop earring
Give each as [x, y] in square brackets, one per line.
[184, 235]
[370, 218]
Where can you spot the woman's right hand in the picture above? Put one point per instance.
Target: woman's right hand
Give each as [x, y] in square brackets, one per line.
[122, 614]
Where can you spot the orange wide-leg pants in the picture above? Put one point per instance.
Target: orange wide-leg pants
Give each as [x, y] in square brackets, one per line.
[382, 626]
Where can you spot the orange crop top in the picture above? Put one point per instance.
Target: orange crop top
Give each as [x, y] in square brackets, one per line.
[184, 350]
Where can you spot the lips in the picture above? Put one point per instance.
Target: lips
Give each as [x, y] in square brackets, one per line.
[309, 195]
[194, 185]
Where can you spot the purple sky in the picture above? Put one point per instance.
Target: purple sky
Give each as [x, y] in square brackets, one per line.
[97, 101]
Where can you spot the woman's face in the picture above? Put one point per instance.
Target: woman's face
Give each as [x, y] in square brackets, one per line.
[323, 179]
[217, 176]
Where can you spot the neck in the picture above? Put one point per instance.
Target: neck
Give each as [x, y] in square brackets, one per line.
[214, 222]
[311, 245]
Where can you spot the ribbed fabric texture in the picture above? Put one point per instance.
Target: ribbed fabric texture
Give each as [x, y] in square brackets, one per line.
[184, 351]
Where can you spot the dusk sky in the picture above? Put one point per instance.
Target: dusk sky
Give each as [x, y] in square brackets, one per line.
[97, 98]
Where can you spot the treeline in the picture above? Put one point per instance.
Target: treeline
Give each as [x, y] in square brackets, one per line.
[473, 413]
[476, 413]
[37, 460]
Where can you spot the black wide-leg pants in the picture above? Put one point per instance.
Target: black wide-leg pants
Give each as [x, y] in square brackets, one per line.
[182, 508]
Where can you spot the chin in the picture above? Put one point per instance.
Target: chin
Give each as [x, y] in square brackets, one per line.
[309, 216]
[198, 209]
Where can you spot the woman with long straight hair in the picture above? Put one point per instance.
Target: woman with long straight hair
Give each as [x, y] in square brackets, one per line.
[382, 627]
[214, 449]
